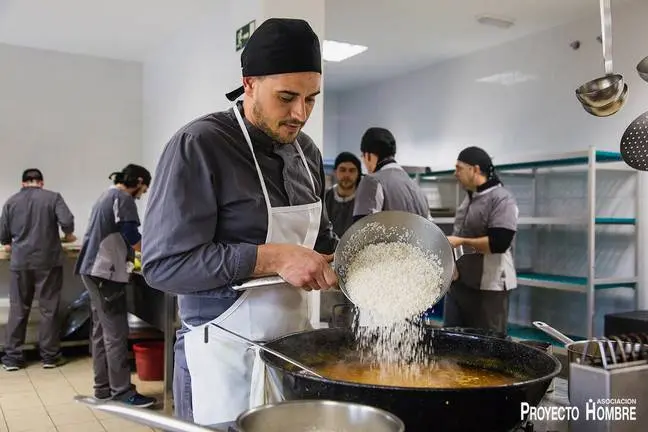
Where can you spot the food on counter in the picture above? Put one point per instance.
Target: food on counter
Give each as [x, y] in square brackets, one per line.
[439, 374]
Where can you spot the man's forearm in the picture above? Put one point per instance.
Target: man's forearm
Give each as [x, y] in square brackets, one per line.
[481, 244]
[266, 260]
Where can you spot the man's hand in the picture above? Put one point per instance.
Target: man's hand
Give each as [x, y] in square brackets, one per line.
[68, 238]
[455, 241]
[7, 248]
[297, 265]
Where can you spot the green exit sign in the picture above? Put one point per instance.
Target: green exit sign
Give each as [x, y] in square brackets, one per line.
[243, 34]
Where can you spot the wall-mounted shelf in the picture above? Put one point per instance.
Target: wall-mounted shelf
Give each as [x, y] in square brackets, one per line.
[555, 221]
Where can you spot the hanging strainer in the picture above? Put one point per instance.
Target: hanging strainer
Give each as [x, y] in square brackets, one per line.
[634, 143]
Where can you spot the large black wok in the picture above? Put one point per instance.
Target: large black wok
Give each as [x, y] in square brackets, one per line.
[492, 409]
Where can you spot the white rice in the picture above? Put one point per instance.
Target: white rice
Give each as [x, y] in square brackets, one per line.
[392, 284]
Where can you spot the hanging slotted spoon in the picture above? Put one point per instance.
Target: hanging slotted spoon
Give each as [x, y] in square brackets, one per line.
[634, 143]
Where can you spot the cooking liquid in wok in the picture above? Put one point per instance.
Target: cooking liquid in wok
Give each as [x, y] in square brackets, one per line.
[440, 374]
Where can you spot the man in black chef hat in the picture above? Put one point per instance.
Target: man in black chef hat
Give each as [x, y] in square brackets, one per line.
[239, 196]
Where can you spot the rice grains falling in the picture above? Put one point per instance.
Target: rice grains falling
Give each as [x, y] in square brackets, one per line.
[392, 284]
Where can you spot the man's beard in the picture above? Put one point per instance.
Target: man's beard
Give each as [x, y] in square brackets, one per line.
[265, 127]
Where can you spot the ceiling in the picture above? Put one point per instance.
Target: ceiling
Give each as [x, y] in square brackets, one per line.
[401, 36]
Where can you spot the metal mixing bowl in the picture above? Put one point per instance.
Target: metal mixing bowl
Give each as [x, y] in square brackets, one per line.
[395, 226]
[316, 416]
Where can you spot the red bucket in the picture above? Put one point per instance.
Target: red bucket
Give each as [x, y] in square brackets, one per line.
[149, 360]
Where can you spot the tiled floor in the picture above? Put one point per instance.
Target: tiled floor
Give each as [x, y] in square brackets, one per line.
[39, 400]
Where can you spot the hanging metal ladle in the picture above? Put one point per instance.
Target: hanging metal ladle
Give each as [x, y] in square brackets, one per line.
[642, 69]
[606, 95]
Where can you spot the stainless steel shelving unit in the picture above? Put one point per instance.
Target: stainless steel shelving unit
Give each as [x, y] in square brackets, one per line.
[589, 161]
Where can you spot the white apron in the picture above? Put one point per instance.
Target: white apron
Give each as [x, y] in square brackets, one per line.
[227, 376]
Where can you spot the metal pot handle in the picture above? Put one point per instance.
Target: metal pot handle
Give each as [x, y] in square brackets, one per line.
[260, 282]
[552, 332]
[143, 416]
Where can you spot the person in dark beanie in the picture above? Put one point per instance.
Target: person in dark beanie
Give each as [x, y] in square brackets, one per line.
[29, 229]
[104, 264]
[340, 198]
[387, 186]
[485, 223]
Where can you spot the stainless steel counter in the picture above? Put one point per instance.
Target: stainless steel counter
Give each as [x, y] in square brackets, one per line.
[72, 289]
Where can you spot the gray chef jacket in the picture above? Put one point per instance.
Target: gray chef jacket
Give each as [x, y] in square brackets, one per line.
[30, 223]
[494, 207]
[105, 251]
[390, 188]
[339, 210]
[206, 212]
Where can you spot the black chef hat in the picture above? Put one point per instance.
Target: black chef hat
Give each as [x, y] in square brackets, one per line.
[130, 176]
[477, 156]
[280, 45]
[32, 174]
[378, 141]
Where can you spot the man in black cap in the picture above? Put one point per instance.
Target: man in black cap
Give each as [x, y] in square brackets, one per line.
[238, 196]
[388, 186]
[485, 222]
[340, 198]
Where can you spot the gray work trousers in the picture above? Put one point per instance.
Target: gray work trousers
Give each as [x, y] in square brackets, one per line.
[469, 307]
[183, 406]
[48, 284]
[112, 375]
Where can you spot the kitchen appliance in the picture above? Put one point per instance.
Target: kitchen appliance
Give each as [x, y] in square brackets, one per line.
[611, 396]
[627, 324]
[494, 409]
[294, 416]
[580, 351]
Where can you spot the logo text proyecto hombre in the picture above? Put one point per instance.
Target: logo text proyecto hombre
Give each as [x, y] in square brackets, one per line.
[599, 410]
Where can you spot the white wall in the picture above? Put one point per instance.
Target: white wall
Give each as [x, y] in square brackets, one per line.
[189, 76]
[77, 118]
[436, 112]
[331, 122]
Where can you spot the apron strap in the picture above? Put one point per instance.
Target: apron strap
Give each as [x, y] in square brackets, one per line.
[310, 175]
[246, 134]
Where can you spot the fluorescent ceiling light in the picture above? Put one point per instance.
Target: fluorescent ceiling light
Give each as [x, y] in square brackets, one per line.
[338, 51]
[507, 78]
[494, 21]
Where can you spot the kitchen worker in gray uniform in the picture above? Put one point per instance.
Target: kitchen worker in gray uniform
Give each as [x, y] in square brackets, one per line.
[239, 195]
[29, 228]
[387, 186]
[104, 264]
[486, 223]
[340, 198]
